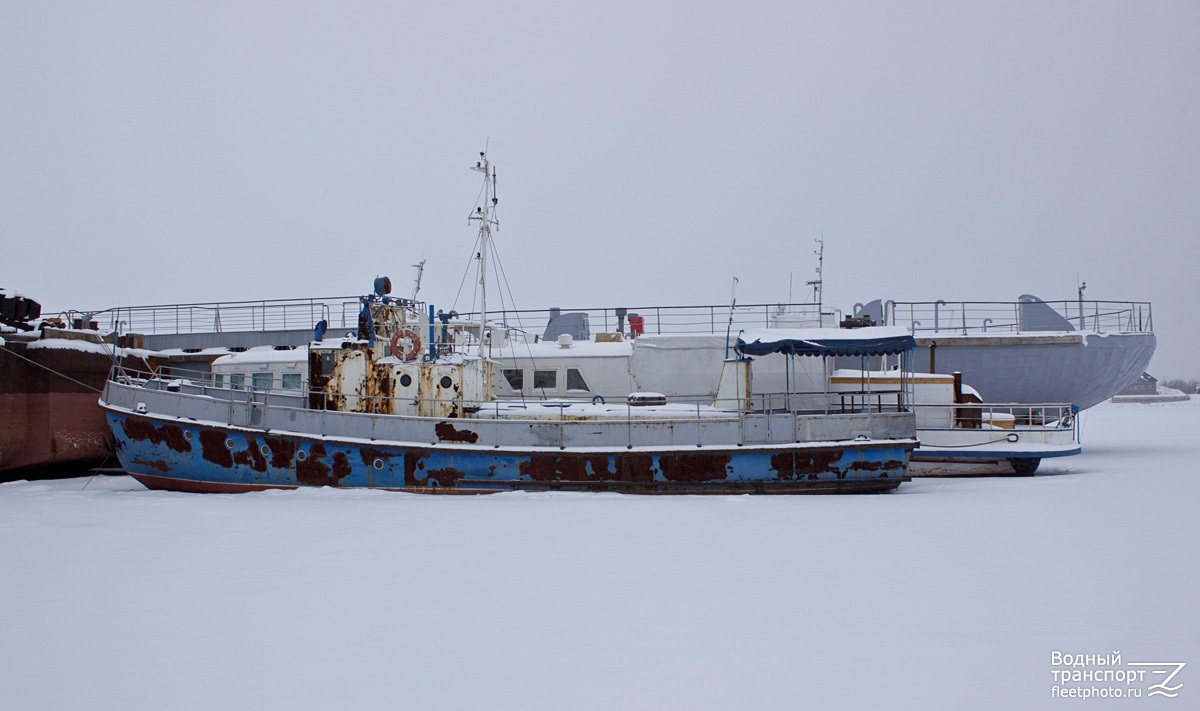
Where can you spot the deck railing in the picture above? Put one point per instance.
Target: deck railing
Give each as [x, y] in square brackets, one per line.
[666, 320]
[340, 312]
[797, 402]
[924, 318]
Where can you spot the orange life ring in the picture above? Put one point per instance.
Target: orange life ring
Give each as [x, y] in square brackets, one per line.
[414, 345]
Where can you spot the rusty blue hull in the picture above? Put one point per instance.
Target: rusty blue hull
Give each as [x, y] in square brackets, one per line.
[168, 453]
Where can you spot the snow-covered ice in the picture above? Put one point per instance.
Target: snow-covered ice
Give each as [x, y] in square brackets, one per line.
[945, 594]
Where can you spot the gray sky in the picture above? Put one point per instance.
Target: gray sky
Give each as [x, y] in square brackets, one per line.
[647, 151]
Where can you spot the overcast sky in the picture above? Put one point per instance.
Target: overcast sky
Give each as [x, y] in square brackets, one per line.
[647, 151]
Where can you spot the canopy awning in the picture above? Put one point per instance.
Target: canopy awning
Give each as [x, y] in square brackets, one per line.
[875, 340]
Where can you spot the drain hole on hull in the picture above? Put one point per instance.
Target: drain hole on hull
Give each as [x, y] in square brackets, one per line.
[187, 434]
[378, 463]
[264, 449]
[301, 456]
[228, 443]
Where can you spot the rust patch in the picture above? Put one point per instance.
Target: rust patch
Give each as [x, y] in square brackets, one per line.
[412, 462]
[882, 467]
[312, 471]
[156, 464]
[282, 452]
[449, 433]
[444, 477]
[861, 466]
[592, 468]
[694, 467]
[549, 467]
[635, 467]
[212, 448]
[377, 388]
[796, 466]
[341, 468]
[370, 454]
[251, 456]
[145, 431]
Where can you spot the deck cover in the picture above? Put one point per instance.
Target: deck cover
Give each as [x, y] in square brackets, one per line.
[874, 340]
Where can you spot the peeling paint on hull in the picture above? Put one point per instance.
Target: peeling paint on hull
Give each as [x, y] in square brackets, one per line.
[233, 460]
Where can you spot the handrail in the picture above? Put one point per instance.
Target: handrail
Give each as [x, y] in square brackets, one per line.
[230, 316]
[825, 402]
[923, 318]
[666, 320]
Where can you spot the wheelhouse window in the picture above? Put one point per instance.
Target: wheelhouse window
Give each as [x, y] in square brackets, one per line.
[219, 380]
[545, 380]
[515, 378]
[291, 381]
[261, 381]
[575, 380]
[237, 381]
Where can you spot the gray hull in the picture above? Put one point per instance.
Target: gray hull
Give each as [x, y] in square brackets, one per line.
[1083, 369]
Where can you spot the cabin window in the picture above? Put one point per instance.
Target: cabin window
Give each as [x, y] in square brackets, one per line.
[261, 381]
[291, 381]
[515, 378]
[237, 381]
[219, 380]
[545, 380]
[575, 380]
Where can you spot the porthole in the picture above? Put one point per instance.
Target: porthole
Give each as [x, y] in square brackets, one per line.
[446, 381]
[405, 380]
[301, 456]
[264, 449]
[228, 443]
[187, 434]
[378, 463]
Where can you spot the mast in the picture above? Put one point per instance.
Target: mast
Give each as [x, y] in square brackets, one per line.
[486, 216]
[816, 283]
[420, 267]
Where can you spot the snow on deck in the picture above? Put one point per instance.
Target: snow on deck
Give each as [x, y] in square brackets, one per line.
[945, 594]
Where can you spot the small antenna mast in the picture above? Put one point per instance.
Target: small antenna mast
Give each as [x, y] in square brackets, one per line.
[816, 283]
[1082, 286]
[420, 267]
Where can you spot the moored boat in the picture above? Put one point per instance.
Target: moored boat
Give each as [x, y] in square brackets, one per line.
[51, 371]
[404, 404]
[961, 435]
[1080, 352]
